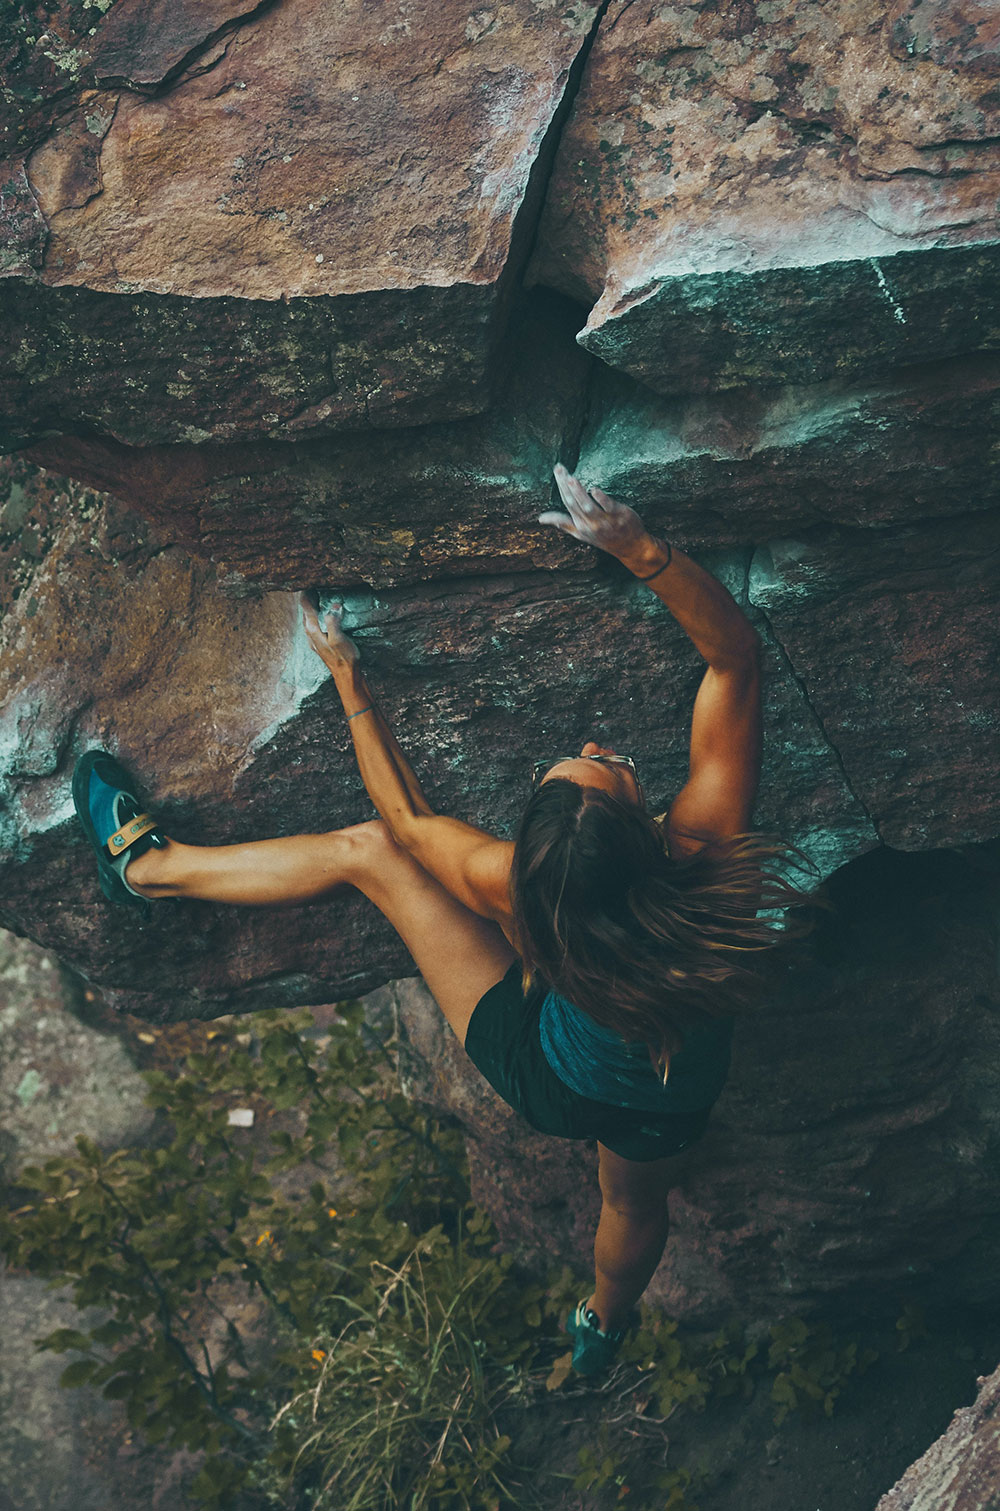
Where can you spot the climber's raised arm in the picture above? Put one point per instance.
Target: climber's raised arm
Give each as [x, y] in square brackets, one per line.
[717, 799]
[473, 865]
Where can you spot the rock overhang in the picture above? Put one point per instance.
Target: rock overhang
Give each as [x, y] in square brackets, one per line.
[387, 506]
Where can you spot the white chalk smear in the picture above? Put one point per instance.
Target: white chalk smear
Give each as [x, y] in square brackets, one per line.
[883, 283]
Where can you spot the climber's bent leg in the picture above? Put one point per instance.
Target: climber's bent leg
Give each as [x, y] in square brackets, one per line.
[459, 954]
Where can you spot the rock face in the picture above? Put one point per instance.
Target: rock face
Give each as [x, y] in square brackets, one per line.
[735, 177]
[229, 720]
[58, 1076]
[961, 1471]
[265, 328]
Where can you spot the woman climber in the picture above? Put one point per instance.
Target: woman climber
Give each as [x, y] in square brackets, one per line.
[590, 968]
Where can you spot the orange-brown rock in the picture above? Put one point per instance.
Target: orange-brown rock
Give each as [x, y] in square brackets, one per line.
[775, 193]
[312, 225]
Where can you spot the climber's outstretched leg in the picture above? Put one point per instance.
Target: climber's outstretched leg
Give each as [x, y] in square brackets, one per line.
[459, 954]
[262, 873]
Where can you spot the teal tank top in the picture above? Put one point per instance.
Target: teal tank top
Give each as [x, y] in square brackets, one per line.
[595, 1062]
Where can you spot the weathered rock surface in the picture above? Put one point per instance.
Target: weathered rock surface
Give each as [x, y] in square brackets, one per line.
[462, 498]
[417, 503]
[787, 217]
[961, 1471]
[69, 1450]
[853, 1153]
[314, 221]
[58, 1076]
[767, 194]
[729, 468]
[888, 621]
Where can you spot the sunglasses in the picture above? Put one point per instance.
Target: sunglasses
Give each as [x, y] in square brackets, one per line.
[539, 768]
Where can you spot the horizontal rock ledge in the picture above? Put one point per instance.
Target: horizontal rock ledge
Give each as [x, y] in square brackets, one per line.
[695, 331]
[386, 507]
[149, 369]
[754, 462]
[462, 498]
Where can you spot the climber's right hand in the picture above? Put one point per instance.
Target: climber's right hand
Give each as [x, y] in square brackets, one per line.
[597, 520]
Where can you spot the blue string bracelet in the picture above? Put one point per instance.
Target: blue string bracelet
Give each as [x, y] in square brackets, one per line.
[360, 711]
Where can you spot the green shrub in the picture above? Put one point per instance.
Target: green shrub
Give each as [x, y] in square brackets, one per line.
[812, 1366]
[387, 1310]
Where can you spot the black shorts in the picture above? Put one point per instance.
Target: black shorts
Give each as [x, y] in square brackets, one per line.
[503, 1042]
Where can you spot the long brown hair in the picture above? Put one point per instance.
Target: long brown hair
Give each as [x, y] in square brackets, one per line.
[638, 940]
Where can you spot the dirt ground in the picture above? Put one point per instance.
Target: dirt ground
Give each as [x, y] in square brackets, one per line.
[883, 1421]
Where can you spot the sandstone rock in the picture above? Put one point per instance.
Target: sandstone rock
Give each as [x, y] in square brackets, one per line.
[954, 33]
[733, 179]
[708, 471]
[144, 43]
[23, 246]
[878, 622]
[961, 1471]
[44, 61]
[313, 226]
[852, 1153]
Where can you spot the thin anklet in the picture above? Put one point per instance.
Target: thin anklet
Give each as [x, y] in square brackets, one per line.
[361, 711]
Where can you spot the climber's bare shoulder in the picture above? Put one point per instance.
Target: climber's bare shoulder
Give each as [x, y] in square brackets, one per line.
[473, 865]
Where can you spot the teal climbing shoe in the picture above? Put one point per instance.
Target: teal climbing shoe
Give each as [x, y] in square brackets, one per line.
[114, 823]
[594, 1351]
